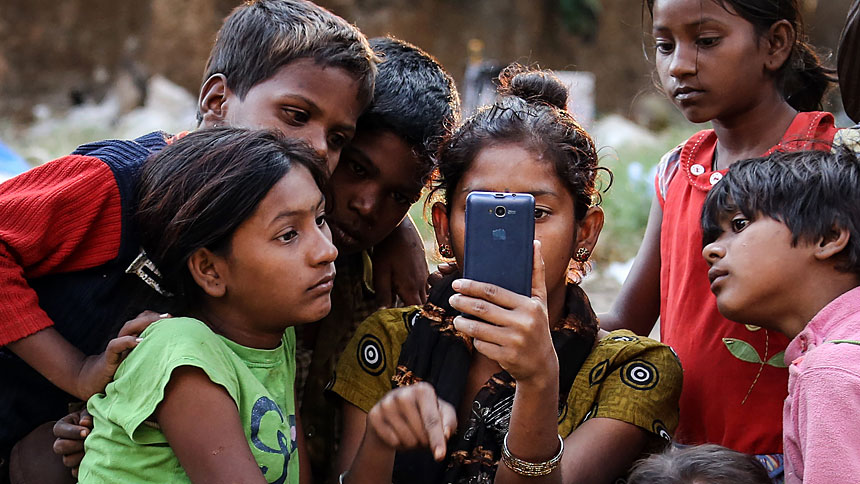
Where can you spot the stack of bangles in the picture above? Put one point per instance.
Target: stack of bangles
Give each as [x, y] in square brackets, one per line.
[531, 469]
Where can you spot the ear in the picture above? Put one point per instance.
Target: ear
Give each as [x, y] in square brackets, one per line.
[588, 229]
[780, 39]
[208, 271]
[833, 244]
[212, 102]
[440, 223]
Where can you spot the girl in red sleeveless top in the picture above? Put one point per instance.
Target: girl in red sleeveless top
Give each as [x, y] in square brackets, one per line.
[744, 66]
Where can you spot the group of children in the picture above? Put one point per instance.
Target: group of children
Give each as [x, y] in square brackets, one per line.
[265, 247]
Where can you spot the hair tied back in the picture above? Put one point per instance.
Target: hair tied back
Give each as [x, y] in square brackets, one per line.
[533, 86]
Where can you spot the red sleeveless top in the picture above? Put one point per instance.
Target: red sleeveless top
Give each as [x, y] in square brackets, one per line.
[735, 380]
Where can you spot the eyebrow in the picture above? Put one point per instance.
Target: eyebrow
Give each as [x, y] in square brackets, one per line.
[293, 213]
[362, 156]
[534, 193]
[696, 24]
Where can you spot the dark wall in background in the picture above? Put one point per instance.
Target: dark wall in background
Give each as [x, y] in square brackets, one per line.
[60, 52]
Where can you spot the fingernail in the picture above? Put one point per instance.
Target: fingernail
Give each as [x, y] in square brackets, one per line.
[439, 453]
[457, 284]
[138, 340]
[453, 299]
[165, 315]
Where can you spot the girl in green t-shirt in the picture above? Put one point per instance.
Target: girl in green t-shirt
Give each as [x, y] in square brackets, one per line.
[233, 236]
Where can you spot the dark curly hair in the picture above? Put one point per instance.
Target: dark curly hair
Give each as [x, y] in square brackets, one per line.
[530, 111]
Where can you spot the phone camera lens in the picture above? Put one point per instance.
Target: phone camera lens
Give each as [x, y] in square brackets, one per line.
[500, 211]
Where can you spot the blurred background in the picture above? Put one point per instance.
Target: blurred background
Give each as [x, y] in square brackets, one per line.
[73, 71]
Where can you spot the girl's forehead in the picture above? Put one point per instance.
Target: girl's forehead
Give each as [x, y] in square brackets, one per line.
[673, 12]
[512, 168]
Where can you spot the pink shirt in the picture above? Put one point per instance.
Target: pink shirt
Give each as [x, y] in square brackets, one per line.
[821, 416]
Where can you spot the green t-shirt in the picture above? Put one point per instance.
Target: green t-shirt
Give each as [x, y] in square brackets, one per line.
[127, 446]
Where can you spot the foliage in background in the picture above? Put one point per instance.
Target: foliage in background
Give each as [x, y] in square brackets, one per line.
[628, 201]
[580, 17]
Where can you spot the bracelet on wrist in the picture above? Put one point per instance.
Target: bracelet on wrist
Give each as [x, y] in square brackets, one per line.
[531, 469]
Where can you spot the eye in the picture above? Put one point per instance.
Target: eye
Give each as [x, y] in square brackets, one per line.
[295, 116]
[337, 141]
[541, 213]
[707, 41]
[320, 220]
[664, 46]
[357, 169]
[739, 223]
[289, 236]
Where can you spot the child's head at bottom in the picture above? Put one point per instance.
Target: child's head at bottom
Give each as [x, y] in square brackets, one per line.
[234, 220]
[525, 142]
[702, 464]
[782, 232]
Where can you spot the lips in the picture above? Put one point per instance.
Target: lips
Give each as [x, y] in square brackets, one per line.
[715, 275]
[324, 284]
[686, 93]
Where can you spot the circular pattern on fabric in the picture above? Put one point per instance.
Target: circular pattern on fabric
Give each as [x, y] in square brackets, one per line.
[659, 428]
[371, 355]
[640, 374]
[624, 338]
[598, 373]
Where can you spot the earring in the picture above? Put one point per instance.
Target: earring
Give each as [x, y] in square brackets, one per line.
[446, 251]
[581, 255]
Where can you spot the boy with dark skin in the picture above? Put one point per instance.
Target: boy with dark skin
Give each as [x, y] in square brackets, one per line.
[380, 174]
[63, 268]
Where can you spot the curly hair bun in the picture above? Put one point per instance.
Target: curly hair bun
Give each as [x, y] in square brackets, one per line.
[533, 86]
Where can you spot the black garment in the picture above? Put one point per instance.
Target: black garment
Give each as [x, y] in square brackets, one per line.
[435, 352]
[87, 307]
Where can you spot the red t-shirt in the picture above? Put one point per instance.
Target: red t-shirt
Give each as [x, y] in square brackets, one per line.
[734, 377]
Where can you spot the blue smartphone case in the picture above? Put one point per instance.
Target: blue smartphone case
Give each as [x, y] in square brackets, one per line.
[500, 228]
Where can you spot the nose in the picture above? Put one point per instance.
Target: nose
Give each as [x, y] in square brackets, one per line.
[713, 252]
[364, 201]
[684, 61]
[323, 251]
[318, 142]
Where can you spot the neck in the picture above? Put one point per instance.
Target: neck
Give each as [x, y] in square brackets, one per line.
[555, 304]
[237, 328]
[753, 132]
[819, 293]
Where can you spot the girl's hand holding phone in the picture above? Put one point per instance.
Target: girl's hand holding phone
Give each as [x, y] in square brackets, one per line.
[515, 329]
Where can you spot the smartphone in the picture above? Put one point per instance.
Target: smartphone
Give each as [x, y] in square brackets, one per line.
[500, 230]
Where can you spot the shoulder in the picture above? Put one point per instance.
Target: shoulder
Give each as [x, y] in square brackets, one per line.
[364, 370]
[629, 378]
[831, 360]
[670, 163]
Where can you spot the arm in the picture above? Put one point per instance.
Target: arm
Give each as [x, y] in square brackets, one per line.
[638, 303]
[824, 400]
[69, 369]
[354, 425]
[399, 267]
[208, 453]
[59, 217]
[516, 326]
[601, 450]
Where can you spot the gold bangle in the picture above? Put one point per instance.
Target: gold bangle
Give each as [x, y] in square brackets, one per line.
[531, 469]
